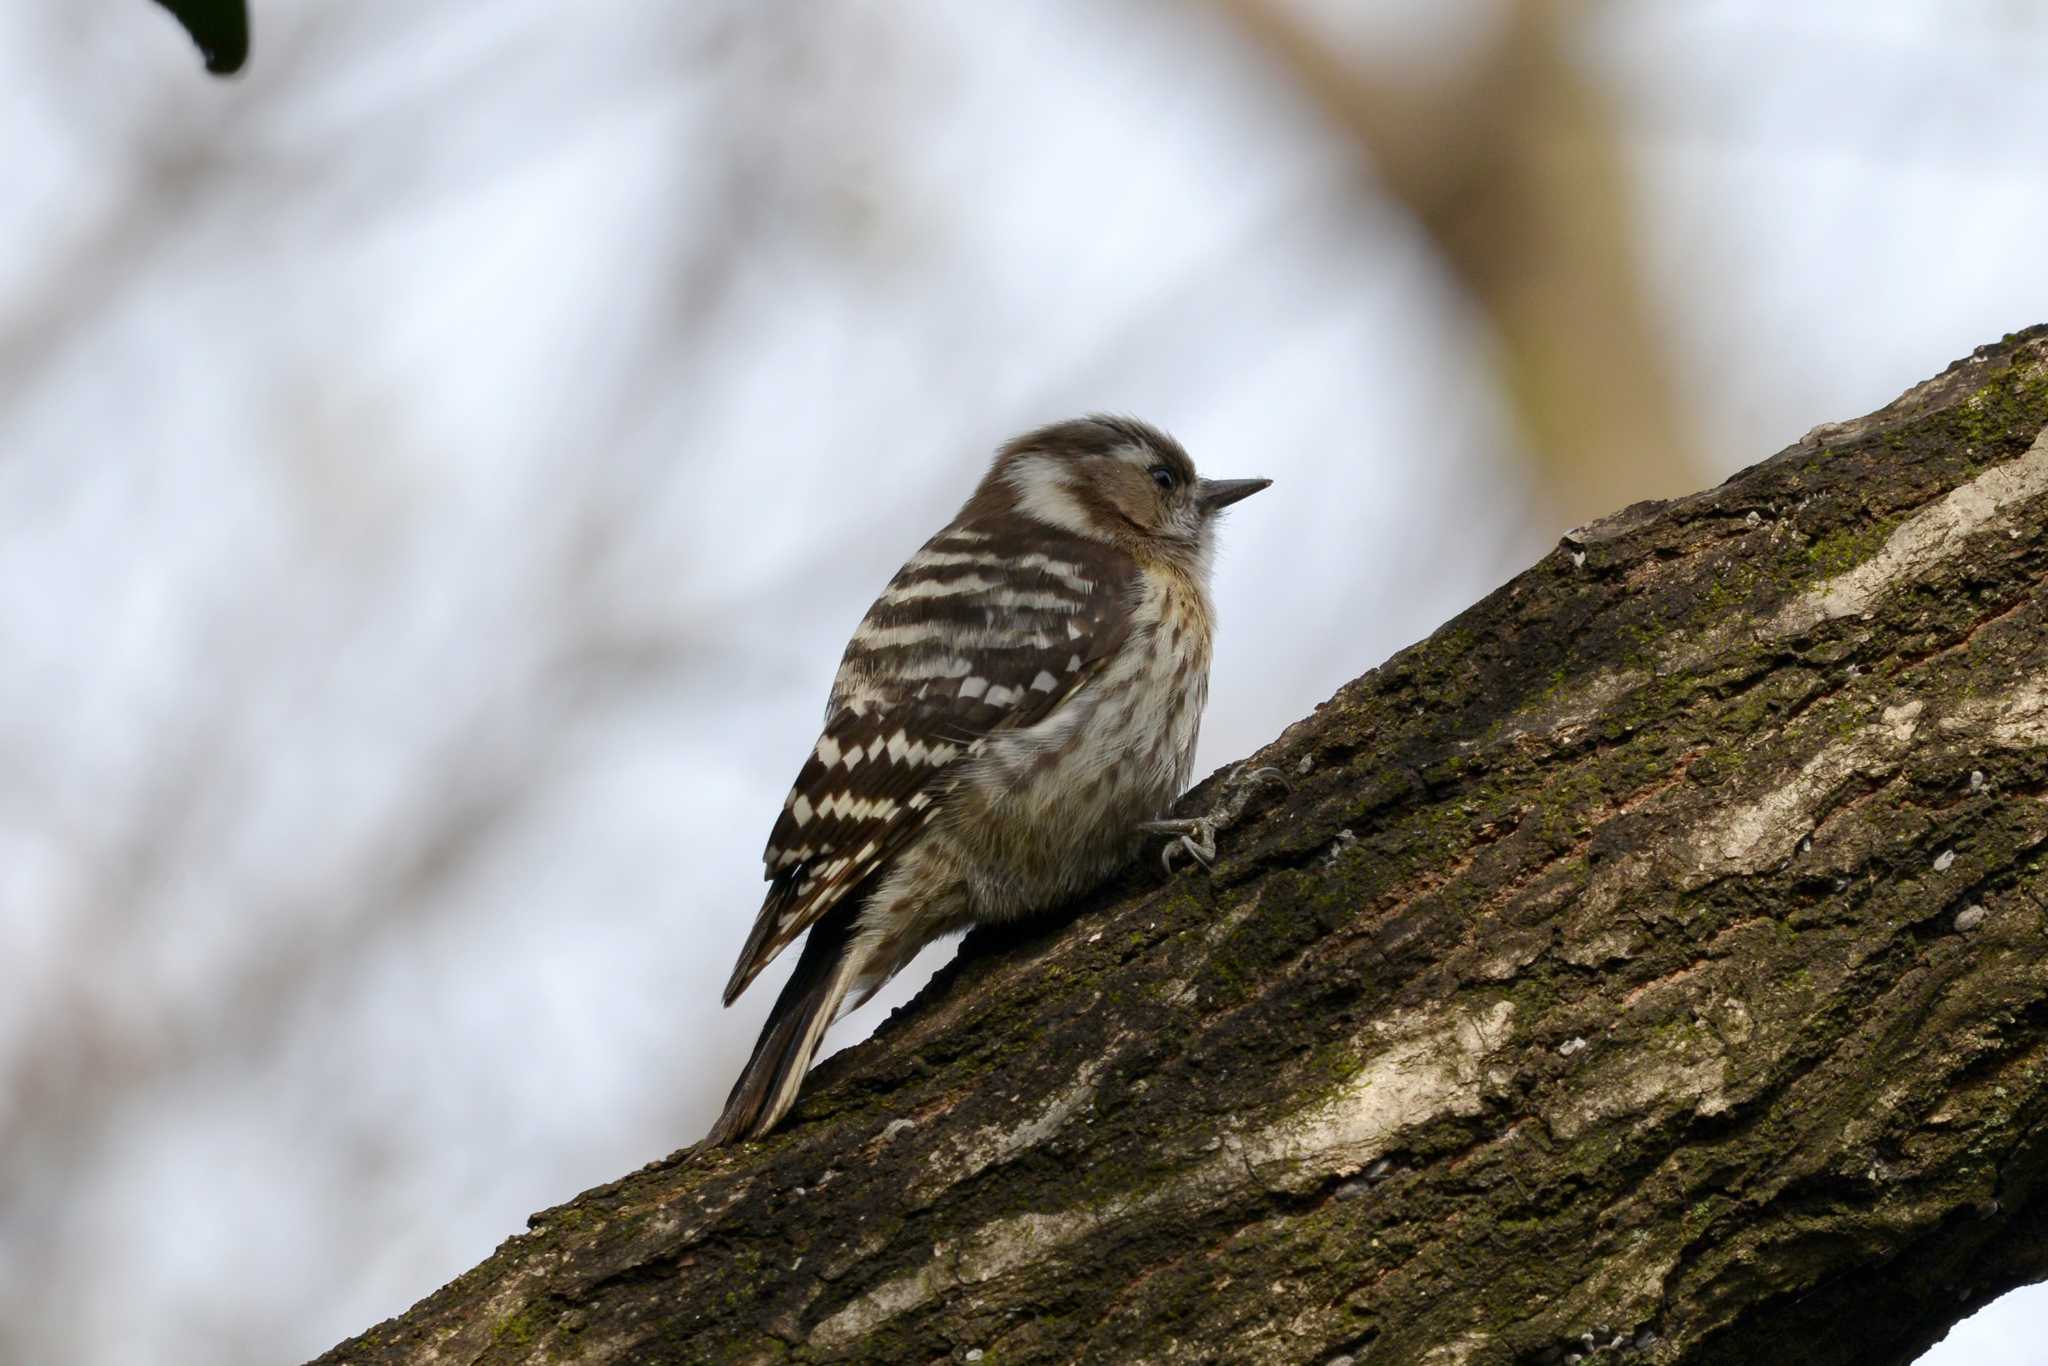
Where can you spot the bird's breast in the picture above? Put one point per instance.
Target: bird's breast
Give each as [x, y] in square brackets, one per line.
[1049, 810]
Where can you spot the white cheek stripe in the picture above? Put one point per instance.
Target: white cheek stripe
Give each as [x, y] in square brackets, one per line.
[1042, 493]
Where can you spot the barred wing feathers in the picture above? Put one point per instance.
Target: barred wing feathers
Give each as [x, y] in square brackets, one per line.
[977, 633]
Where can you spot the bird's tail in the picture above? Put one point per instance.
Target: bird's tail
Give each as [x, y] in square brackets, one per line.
[809, 1001]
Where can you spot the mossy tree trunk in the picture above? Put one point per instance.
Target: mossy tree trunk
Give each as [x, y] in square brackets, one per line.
[1652, 962]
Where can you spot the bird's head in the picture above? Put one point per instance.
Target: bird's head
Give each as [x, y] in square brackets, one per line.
[1114, 479]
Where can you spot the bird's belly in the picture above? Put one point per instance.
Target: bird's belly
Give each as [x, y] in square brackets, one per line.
[1048, 812]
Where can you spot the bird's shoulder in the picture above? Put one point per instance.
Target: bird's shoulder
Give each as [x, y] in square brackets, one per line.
[983, 615]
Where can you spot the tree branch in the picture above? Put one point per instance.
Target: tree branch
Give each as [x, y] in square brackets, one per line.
[1651, 960]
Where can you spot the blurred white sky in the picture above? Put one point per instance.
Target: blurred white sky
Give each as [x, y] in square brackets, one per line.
[442, 468]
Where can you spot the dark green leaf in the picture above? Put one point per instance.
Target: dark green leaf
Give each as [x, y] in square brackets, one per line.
[219, 27]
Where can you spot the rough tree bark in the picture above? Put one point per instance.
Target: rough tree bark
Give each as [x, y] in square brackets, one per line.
[1651, 963]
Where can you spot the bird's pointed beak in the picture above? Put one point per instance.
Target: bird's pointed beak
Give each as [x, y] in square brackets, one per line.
[1213, 494]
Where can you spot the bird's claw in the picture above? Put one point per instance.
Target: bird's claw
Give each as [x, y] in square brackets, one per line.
[1197, 835]
[1197, 839]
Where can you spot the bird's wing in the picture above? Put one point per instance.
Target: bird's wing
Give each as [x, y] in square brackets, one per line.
[971, 637]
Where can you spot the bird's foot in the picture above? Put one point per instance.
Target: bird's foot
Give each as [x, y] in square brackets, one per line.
[1197, 839]
[1197, 834]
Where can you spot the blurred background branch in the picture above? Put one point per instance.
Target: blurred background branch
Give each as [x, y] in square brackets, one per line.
[1512, 164]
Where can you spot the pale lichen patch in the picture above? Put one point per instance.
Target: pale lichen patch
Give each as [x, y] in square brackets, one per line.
[887, 1300]
[1432, 1069]
[990, 1251]
[992, 1144]
[1901, 722]
[1457, 1351]
[2016, 719]
[1639, 1085]
[1003, 1246]
[1181, 990]
[1763, 831]
[1512, 953]
[1596, 932]
[1562, 717]
[1920, 544]
[1628, 1286]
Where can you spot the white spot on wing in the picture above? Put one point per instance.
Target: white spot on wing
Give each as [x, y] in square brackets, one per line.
[940, 559]
[873, 637]
[801, 809]
[1034, 600]
[1066, 573]
[974, 687]
[945, 666]
[937, 588]
[828, 751]
[1045, 682]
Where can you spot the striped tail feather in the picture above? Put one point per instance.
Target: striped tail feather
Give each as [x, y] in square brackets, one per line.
[809, 1002]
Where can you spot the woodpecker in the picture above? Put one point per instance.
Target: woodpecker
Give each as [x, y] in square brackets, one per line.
[1017, 708]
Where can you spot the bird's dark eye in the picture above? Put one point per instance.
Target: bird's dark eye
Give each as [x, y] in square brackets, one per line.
[1163, 477]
